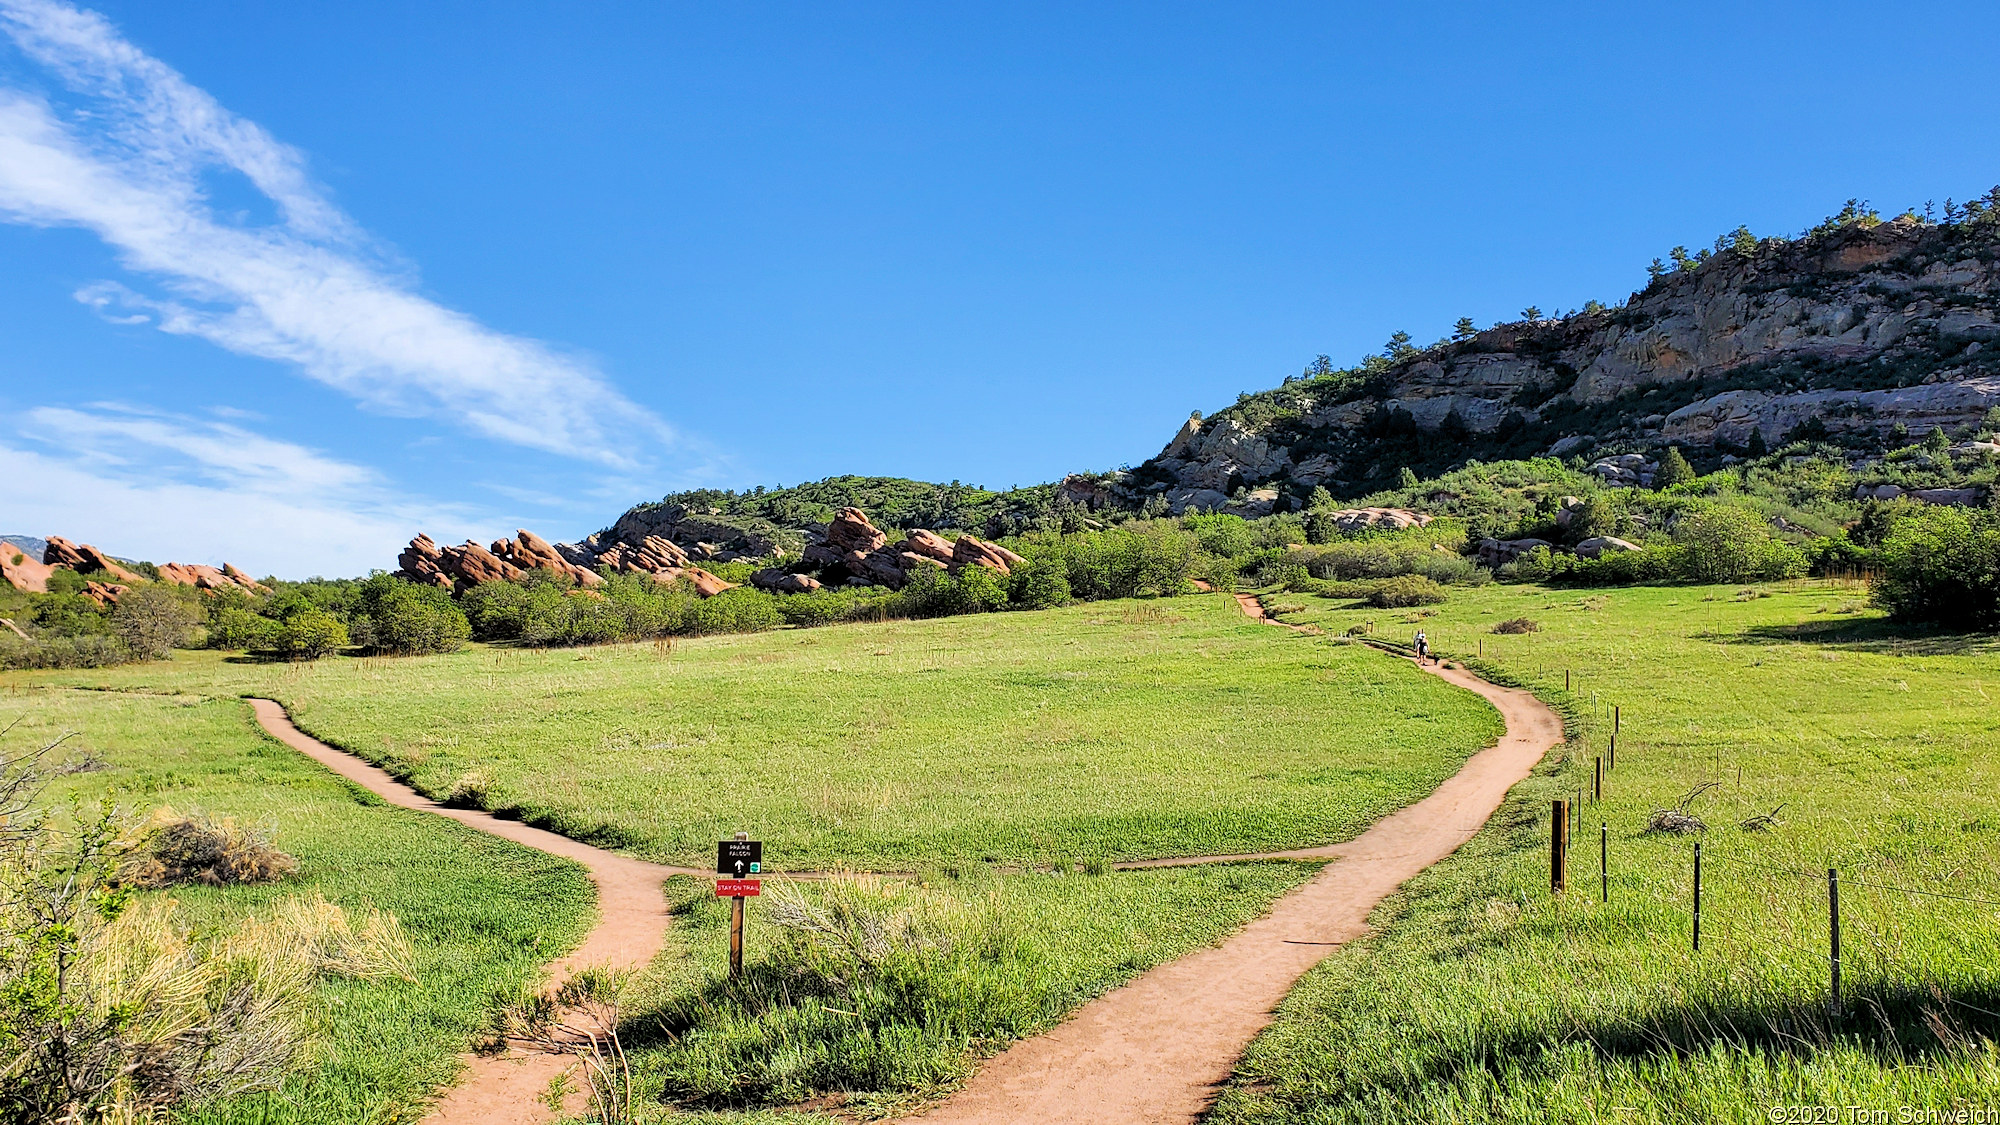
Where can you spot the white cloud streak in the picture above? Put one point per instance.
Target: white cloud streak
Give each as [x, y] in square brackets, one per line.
[128, 161]
[176, 488]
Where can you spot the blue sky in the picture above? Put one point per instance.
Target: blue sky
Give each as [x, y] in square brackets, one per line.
[284, 284]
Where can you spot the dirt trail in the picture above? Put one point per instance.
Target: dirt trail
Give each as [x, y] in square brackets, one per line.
[632, 923]
[1156, 1050]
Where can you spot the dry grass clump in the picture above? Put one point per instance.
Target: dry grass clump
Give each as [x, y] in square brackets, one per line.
[1517, 625]
[174, 851]
[195, 1019]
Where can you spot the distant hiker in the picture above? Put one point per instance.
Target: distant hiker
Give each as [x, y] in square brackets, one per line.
[1423, 647]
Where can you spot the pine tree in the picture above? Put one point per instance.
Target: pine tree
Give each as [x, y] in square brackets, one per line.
[1674, 469]
[1758, 446]
[1531, 313]
[1407, 478]
[1464, 329]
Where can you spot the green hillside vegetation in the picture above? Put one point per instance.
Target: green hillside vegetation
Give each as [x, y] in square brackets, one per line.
[891, 502]
[1117, 730]
[481, 914]
[1485, 997]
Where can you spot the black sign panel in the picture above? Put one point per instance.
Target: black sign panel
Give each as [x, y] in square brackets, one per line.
[739, 858]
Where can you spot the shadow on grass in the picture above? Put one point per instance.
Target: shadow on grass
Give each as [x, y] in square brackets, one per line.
[1870, 634]
[1895, 1026]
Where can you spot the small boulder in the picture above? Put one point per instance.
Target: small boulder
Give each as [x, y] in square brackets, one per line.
[1497, 553]
[1876, 491]
[1604, 545]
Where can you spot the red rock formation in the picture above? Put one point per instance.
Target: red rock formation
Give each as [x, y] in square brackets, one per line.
[529, 551]
[975, 552]
[928, 544]
[208, 578]
[22, 571]
[422, 562]
[706, 584]
[652, 556]
[474, 564]
[851, 531]
[244, 580]
[780, 582]
[104, 593]
[84, 558]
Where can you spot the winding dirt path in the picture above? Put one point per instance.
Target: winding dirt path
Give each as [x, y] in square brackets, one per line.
[632, 924]
[1156, 1050]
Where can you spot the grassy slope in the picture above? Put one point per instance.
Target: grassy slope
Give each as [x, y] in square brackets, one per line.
[1483, 998]
[1120, 730]
[482, 914]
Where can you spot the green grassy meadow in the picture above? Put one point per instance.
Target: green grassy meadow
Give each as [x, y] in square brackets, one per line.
[482, 914]
[1117, 730]
[973, 960]
[1484, 997]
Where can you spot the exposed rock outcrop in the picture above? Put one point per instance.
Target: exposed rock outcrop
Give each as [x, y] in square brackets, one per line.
[1602, 545]
[781, 582]
[1859, 328]
[1351, 520]
[1496, 553]
[22, 571]
[851, 531]
[84, 558]
[528, 551]
[209, 578]
[968, 551]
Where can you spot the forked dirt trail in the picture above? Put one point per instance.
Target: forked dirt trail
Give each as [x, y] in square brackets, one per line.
[632, 923]
[1156, 1050]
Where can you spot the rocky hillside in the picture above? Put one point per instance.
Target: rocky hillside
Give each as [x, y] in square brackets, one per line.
[1859, 332]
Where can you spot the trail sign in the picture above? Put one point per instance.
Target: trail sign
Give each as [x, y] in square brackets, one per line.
[739, 857]
[738, 888]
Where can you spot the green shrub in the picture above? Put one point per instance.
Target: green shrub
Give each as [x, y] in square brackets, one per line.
[240, 629]
[88, 651]
[1942, 565]
[1040, 583]
[1724, 543]
[817, 607]
[404, 617]
[310, 634]
[741, 610]
[1406, 590]
[153, 620]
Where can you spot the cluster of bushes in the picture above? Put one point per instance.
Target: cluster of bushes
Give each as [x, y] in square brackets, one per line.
[65, 629]
[1717, 543]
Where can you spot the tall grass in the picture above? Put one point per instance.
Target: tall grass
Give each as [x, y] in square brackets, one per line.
[1485, 996]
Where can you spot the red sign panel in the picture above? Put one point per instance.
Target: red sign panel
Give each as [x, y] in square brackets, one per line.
[739, 888]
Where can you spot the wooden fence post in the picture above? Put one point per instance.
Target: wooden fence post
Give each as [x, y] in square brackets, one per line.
[1558, 849]
[1604, 857]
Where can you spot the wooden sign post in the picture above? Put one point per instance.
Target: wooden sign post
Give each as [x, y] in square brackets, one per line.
[734, 861]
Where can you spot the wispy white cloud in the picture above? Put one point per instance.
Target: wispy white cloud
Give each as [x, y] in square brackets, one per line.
[176, 488]
[127, 156]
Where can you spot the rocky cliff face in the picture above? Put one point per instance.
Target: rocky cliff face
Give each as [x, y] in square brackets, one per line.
[1846, 334]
